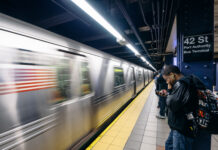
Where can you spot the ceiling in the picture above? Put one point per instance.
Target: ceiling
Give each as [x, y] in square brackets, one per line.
[146, 23]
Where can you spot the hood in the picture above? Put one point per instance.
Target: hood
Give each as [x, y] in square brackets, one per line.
[193, 80]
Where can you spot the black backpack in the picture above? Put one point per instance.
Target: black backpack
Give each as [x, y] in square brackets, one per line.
[206, 115]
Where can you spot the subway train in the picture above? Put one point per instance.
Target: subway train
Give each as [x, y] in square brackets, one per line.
[55, 91]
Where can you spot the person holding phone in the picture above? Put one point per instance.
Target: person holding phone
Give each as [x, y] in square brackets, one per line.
[161, 91]
[181, 100]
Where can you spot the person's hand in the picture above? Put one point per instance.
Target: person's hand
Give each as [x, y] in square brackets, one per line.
[163, 93]
[170, 86]
[157, 92]
[160, 93]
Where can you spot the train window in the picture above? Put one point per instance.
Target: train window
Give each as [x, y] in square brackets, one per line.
[118, 76]
[85, 79]
[63, 81]
[139, 75]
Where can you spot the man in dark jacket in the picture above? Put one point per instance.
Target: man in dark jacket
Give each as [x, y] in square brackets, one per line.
[161, 88]
[180, 101]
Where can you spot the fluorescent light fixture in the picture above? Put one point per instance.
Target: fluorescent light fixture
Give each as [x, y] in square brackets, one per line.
[143, 59]
[85, 6]
[151, 66]
[132, 49]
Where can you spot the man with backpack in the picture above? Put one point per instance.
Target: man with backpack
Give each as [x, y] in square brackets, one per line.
[182, 103]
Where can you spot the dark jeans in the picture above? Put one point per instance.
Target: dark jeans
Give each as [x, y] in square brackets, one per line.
[158, 102]
[177, 141]
[202, 141]
[162, 103]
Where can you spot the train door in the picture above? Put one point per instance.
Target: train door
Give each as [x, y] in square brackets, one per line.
[75, 109]
[145, 71]
[144, 76]
[134, 80]
[149, 76]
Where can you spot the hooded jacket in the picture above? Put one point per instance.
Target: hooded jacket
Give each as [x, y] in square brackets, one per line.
[181, 100]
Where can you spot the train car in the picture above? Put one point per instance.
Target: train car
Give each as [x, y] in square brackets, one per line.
[55, 91]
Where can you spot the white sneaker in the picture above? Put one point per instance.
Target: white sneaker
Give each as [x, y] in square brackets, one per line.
[160, 116]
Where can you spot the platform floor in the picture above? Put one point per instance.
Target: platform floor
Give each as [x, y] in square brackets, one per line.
[137, 127]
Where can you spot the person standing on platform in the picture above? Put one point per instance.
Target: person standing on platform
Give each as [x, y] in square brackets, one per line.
[161, 90]
[156, 85]
[181, 100]
[178, 101]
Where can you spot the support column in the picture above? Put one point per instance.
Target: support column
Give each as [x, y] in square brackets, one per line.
[216, 77]
[195, 34]
[195, 46]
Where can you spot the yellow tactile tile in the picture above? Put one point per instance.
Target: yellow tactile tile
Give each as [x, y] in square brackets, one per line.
[114, 147]
[119, 141]
[115, 136]
[107, 139]
[116, 129]
[123, 135]
[112, 133]
[100, 146]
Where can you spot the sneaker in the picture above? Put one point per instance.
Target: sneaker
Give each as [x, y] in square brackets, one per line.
[160, 116]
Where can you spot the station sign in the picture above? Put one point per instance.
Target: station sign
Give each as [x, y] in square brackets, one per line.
[198, 47]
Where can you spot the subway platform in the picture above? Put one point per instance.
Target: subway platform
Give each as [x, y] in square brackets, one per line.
[137, 127]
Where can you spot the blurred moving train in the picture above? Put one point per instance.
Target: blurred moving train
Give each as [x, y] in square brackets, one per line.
[55, 91]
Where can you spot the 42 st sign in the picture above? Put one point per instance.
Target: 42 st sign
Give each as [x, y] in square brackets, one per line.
[199, 39]
[198, 47]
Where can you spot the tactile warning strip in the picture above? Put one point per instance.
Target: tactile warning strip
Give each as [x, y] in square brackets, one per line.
[115, 136]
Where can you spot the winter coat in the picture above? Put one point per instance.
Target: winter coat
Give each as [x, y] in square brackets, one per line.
[181, 100]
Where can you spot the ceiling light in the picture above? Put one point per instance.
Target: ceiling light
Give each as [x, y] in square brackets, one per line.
[143, 59]
[85, 6]
[132, 49]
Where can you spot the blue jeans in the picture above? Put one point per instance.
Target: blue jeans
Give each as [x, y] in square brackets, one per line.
[177, 141]
[162, 102]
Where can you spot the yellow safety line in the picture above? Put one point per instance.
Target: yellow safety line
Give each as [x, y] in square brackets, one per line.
[118, 117]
